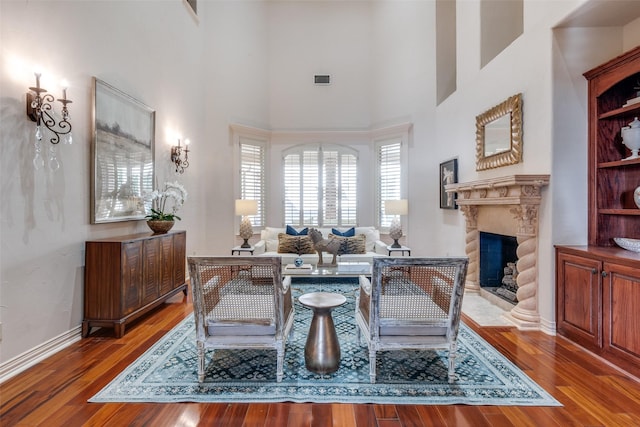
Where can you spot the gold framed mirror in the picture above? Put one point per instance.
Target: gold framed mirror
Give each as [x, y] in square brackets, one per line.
[499, 135]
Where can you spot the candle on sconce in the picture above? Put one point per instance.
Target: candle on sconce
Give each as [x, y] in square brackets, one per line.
[65, 85]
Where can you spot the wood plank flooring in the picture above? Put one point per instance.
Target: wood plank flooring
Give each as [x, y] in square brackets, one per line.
[54, 392]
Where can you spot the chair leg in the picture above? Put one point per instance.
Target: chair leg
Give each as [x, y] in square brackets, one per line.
[452, 362]
[372, 365]
[200, 362]
[280, 363]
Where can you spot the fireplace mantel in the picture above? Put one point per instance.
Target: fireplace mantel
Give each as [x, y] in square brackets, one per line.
[507, 190]
[521, 196]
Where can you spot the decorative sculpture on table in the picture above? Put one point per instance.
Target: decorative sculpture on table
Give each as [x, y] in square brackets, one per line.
[331, 246]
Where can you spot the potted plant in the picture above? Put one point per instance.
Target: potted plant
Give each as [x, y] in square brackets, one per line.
[161, 220]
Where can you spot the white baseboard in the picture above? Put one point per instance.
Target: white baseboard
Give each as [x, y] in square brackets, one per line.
[13, 367]
[548, 327]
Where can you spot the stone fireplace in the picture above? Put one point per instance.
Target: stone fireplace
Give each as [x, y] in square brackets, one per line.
[506, 206]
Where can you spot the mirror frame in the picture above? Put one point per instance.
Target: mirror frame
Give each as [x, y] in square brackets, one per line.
[513, 107]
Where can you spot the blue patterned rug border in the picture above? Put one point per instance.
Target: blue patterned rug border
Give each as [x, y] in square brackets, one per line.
[145, 380]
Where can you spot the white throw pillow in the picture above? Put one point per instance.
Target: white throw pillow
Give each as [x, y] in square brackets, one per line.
[371, 234]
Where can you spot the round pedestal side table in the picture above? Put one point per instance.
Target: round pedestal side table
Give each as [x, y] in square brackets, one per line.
[322, 350]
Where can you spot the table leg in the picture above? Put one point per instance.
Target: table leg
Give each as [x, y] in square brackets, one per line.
[322, 350]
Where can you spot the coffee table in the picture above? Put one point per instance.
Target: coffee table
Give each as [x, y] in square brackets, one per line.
[322, 271]
[322, 350]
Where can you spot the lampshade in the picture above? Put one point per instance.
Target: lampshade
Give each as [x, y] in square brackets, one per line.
[246, 207]
[396, 207]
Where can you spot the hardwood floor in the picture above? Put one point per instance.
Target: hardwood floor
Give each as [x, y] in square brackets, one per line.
[54, 392]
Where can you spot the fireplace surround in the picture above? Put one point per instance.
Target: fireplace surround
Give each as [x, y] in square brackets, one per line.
[506, 205]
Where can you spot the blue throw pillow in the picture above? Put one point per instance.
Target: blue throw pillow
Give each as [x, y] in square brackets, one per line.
[293, 232]
[349, 233]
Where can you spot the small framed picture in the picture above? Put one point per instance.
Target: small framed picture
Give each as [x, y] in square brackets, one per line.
[448, 175]
[193, 4]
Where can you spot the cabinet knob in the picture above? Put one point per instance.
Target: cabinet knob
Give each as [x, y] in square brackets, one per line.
[604, 273]
[594, 271]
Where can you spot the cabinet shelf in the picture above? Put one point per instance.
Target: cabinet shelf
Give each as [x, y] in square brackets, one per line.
[629, 110]
[634, 212]
[619, 163]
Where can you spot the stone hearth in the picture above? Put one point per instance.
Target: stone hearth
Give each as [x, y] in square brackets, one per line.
[507, 205]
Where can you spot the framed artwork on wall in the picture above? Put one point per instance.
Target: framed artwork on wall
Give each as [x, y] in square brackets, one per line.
[193, 4]
[448, 175]
[122, 155]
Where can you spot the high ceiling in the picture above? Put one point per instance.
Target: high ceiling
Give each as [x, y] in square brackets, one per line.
[600, 13]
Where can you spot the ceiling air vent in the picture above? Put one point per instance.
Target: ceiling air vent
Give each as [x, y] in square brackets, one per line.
[322, 79]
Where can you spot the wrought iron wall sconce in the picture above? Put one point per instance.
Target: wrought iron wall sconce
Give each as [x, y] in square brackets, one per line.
[39, 110]
[176, 156]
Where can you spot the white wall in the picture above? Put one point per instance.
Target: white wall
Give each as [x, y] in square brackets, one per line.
[403, 90]
[318, 37]
[234, 90]
[45, 216]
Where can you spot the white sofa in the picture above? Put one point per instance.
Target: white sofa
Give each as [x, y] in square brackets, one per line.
[268, 246]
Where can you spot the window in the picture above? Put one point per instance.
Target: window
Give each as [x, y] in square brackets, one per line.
[389, 173]
[320, 186]
[252, 176]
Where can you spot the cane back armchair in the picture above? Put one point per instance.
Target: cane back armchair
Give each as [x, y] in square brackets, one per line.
[411, 303]
[241, 303]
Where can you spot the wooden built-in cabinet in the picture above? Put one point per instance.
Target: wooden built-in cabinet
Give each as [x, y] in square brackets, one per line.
[612, 179]
[598, 286]
[127, 276]
[598, 301]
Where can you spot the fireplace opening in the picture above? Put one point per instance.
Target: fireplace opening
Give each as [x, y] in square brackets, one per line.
[498, 271]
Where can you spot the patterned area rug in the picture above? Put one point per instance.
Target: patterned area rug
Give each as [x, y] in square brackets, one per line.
[167, 371]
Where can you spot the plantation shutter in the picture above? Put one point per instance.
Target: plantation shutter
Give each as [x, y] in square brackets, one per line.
[252, 177]
[348, 189]
[310, 187]
[389, 177]
[292, 188]
[320, 187]
[330, 184]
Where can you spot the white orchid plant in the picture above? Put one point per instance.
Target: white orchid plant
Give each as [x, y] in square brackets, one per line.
[172, 190]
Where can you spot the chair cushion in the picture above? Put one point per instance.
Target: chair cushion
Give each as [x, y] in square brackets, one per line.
[404, 315]
[244, 315]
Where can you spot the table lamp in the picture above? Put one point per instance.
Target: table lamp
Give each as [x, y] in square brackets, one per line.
[396, 208]
[246, 208]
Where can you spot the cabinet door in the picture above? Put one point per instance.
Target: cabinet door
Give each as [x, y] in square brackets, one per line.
[152, 268]
[621, 320]
[167, 264]
[578, 298]
[131, 276]
[179, 258]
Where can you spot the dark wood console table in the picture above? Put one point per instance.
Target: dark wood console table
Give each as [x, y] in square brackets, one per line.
[127, 276]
